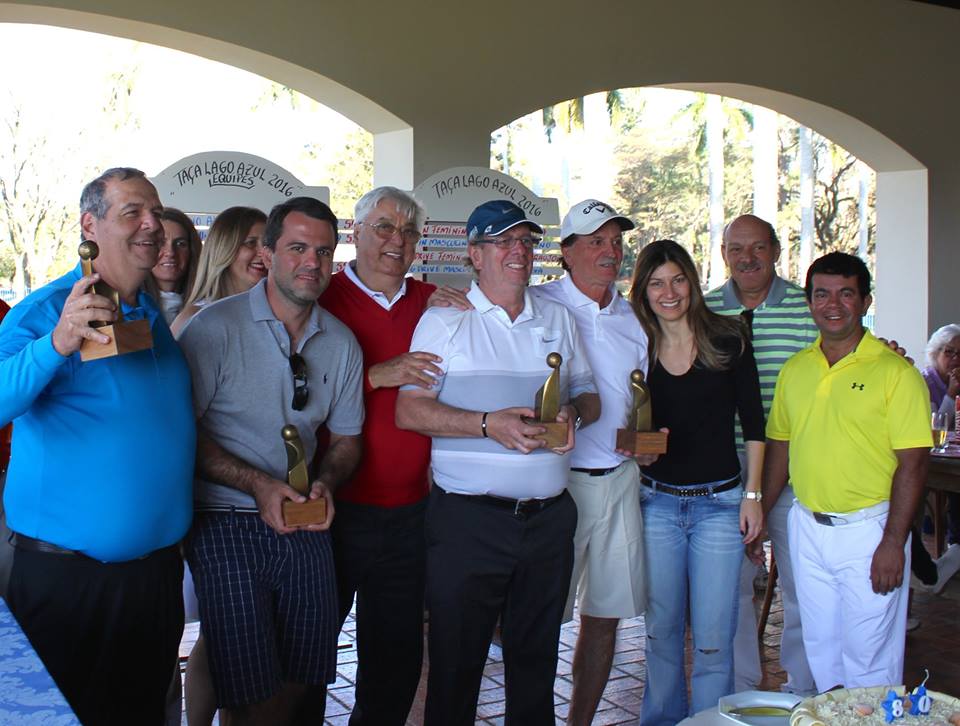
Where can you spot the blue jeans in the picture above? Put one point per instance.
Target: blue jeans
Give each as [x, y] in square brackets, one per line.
[691, 545]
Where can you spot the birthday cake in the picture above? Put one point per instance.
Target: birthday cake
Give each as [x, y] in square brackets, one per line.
[883, 705]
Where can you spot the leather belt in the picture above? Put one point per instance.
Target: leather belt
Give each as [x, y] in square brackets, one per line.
[29, 544]
[829, 519]
[595, 472]
[518, 507]
[692, 491]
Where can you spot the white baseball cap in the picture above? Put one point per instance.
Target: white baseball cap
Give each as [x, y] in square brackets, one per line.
[590, 215]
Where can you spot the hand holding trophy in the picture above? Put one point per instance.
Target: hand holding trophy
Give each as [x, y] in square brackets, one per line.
[312, 511]
[637, 437]
[547, 407]
[125, 336]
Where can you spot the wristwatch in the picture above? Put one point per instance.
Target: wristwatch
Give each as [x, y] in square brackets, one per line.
[578, 420]
[753, 495]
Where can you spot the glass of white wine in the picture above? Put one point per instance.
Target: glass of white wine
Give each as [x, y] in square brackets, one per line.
[939, 425]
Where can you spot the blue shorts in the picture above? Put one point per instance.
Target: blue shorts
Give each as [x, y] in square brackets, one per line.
[268, 605]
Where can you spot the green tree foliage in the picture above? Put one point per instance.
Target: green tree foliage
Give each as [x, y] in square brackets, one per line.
[350, 174]
[662, 179]
[40, 181]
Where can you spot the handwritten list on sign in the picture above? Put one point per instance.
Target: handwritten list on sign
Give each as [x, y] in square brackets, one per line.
[452, 194]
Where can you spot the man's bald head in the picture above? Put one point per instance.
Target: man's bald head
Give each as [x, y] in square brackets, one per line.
[751, 249]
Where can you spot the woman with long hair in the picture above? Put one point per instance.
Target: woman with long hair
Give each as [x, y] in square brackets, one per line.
[172, 277]
[699, 509]
[230, 262]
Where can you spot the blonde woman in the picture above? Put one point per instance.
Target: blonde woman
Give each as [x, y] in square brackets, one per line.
[230, 262]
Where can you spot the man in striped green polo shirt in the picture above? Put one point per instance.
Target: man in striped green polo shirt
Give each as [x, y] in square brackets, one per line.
[777, 313]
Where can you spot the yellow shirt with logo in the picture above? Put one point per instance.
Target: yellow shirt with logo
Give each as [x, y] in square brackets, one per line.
[845, 422]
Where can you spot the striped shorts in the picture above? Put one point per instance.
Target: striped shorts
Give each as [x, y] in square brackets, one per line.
[268, 605]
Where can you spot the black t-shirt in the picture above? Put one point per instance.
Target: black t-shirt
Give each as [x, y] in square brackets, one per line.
[699, 408]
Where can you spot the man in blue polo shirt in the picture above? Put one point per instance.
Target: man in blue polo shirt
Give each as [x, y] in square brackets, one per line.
[99, 483]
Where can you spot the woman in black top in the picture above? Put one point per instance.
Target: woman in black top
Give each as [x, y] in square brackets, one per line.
[695, 511]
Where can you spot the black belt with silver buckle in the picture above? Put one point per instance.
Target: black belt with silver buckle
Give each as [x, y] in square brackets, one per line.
[692, 491]
[595, 472]
[519, 507]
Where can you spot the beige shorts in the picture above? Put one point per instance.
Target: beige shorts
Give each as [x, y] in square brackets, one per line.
[608, 576]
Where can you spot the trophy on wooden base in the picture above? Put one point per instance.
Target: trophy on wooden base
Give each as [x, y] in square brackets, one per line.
[547, 406]
[126, 336]
[312, 511]
[638, 437]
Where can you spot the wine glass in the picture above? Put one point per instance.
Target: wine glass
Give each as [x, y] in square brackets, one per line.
[939, 425]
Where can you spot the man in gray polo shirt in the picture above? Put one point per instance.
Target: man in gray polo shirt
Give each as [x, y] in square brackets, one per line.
[262, 360]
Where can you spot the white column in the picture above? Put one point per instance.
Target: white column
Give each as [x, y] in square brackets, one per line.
[393, 159]
[903, 281]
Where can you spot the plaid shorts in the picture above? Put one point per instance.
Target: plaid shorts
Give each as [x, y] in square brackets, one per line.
[268, 605]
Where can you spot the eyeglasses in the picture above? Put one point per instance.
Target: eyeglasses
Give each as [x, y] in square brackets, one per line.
[386, 230]
[950, 352]
[300, 390]
[508, 243]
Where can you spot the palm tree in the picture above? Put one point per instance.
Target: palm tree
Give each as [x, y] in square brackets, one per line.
[712, 118]
[805, 151]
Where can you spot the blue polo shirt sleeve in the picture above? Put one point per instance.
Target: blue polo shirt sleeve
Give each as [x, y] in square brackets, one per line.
[28, 360]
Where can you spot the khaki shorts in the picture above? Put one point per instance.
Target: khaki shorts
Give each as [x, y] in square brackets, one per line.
[608, 575]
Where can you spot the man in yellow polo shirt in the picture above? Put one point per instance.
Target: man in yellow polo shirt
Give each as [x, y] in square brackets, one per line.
[850, 424]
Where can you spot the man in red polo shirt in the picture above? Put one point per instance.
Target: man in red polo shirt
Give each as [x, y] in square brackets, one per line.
[378, 537]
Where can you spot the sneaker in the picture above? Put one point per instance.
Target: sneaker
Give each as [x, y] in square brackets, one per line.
[919, 585]
[912, 623]
[947, 566]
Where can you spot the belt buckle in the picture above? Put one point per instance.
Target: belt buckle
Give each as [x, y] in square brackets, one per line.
[824, 519]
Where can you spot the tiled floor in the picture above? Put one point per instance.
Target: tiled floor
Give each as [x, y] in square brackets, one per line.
[934, 645]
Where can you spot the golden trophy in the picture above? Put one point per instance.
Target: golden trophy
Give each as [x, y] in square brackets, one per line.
[125, 336]
[638, 437]
[547, 406]
[312, 511]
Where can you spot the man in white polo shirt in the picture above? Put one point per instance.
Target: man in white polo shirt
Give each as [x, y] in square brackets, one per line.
[500, 525]
[608, 556]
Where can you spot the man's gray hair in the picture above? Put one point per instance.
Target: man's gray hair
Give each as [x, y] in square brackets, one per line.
[407, 205]
[92, 197]
[938, 342]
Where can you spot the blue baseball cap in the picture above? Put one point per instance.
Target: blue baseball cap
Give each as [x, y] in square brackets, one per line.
[496, 217]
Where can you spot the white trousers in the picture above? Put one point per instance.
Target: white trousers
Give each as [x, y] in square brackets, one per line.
[853, 636]
[793, 658]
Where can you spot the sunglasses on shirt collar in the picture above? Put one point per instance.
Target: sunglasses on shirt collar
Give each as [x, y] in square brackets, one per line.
[301, 391]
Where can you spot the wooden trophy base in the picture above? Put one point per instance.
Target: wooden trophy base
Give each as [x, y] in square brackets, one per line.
[127, 337]
[642, 442]
[312, 511]
[555, 436]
